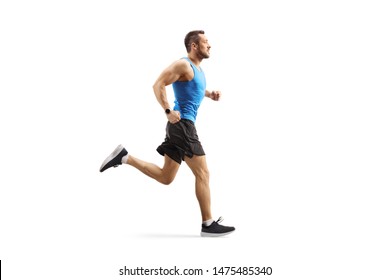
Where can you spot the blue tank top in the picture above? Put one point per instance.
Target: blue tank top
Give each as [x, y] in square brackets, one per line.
[189, 94]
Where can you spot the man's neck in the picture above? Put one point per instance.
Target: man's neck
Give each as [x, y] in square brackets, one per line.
[195, 60]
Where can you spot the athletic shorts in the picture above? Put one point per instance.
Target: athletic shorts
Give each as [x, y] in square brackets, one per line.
[181, 140]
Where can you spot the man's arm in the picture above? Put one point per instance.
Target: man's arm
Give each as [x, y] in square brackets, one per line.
[176, 71]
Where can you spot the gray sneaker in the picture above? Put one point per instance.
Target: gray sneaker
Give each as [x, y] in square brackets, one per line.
[114, 159]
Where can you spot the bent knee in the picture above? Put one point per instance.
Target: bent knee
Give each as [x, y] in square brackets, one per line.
[167, 180]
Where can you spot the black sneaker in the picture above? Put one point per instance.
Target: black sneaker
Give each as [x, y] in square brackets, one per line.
[114, 159]
[215, 229]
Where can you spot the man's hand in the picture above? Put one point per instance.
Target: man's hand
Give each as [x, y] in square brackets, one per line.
[215, 95]
[173, 116]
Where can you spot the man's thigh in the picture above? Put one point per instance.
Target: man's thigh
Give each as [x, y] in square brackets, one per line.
[196, 163]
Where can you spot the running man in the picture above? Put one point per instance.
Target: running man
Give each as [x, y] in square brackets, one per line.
[181, 140]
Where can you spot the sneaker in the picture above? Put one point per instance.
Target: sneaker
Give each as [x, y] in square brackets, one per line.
[215, 229]
[114, 159]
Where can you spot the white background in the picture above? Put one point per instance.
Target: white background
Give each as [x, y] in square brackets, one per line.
[298, 147]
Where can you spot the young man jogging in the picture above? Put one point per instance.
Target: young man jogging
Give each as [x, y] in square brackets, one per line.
[181, 141]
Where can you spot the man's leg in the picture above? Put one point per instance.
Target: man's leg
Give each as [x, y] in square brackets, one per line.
[198, 166]
[210, 228]
[164, 175]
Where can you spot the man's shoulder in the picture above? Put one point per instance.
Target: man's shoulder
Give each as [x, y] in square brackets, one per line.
[183, 67]
[182, 62]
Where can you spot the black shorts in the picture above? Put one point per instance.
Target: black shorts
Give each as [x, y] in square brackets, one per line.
[181, 140]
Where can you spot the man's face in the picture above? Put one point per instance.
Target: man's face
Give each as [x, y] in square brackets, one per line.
[203, 47]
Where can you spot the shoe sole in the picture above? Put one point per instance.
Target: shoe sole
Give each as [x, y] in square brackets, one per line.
[111, 156]
[207, 234]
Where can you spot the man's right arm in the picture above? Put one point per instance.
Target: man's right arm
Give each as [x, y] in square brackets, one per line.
[168, 76]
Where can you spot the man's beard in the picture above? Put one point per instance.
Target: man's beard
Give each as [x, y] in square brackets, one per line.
[204, 55]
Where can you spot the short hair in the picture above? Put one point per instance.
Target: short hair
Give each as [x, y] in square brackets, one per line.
[192, 37]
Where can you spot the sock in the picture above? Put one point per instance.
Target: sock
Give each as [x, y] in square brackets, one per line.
[208, 222]
[124, 159]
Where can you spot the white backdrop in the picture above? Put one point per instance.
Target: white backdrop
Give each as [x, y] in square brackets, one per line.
[297, 147]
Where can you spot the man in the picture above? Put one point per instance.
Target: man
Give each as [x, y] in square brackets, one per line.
[181, 141]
